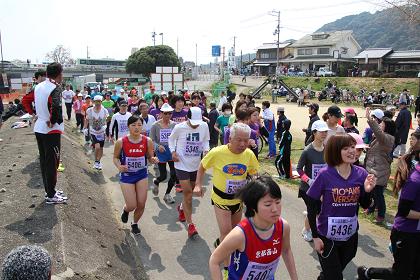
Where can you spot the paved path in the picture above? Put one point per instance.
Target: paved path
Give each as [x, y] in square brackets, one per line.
[167, 253]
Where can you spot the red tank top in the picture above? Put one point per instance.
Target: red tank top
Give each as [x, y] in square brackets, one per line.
[134, 154]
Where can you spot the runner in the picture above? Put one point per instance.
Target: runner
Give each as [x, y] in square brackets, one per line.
[257, 242]
[231, 164]
[159, 134]
[310, 162]
[222, 121]
[131, 154]
[95, 124]
[179, 115]
[77, 107]
[68, 96]
[108, 104]
[340, 188]
[187, 142]
[48, 129]
[333, 115]
[118, 125]
[148, 120]
[405, 234]
[86, 105]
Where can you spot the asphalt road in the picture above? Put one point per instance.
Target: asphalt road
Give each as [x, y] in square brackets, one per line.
[167, 253]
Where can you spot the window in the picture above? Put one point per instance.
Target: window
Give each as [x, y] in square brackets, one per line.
[301, 51]
[264, 55]
[323, 51]
[308, 51]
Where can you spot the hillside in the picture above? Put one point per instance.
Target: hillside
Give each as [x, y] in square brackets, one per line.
[385, 28]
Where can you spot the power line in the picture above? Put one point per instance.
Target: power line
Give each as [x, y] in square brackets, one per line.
[325, 6]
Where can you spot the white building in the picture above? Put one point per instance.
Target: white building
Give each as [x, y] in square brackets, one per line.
[326, 49]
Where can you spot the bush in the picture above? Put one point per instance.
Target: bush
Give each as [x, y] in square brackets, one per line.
[389, 75]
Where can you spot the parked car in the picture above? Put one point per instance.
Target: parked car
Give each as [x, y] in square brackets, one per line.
[325, 72]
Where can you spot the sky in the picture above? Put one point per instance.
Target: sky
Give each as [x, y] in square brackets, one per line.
[30, 29]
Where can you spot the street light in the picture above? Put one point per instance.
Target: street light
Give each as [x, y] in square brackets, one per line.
[161, 34]
[277, 32]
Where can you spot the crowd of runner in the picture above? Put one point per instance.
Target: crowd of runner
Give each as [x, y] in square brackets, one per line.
[190, 135]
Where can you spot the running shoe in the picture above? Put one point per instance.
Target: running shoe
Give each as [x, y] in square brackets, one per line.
[124, 217]
[99, 165]
[57, 192]
[168, 199]
[95, 165]
[192, 230]
[307, 235]
[135, 229]
[362, 272]
[56, 199]
[60, 168]
[181, 214]
[155, 189]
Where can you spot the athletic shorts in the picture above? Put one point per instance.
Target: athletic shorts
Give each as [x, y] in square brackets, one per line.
[128, 178]
[186, 175]
[96, 141]
[232, 208]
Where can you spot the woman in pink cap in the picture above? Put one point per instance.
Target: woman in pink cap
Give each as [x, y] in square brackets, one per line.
[360, 146]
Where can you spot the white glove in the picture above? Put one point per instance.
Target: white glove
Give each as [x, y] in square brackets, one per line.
[310, 182]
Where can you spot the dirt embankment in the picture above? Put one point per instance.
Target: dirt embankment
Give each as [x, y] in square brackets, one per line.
[83, 237]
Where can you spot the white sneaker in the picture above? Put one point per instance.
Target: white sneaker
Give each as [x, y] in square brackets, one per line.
[56, 199]
[307, 235]
[58, 193]
[169, 199]
[99, 166]
[95, 165]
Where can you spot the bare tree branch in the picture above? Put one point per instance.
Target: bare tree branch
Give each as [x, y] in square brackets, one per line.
[61, 55]
[409, 8]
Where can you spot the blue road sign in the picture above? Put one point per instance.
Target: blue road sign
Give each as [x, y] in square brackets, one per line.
[215, 50]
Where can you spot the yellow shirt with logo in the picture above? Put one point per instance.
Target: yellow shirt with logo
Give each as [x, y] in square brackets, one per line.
[229, 171]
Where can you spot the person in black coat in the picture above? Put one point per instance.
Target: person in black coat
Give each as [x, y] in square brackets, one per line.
[313, 117]
[402, 122]
[280, 121]
[214, 135]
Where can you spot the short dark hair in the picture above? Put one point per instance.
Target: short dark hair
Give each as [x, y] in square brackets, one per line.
[40, 73]
[390, 126]
[266, 104]
[226, 106]
[212, 105]
[54, 70]
[332, 152]
[257, 188]
[133, 119]
[239, 104]
[242, 115]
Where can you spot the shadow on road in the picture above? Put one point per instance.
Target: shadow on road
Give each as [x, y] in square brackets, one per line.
[368, 245]
[136, 253]
[95, 176]
[168, 215]
[38, 227]
[35, 182]
[195, 257]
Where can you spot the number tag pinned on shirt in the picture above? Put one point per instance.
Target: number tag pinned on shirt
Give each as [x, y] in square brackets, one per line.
[135, 164]
[341, 228]
[193, 149]
[164, 135]
[233, 186]
[259, 271]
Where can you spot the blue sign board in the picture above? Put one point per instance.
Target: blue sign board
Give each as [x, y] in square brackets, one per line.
[215, 50]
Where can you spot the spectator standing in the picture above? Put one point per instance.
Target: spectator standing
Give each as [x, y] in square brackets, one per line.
[402, 122]
[313, 117]
[48, 129]
[213, 115]
[280, 121]
[270, 125]
[222, 100]
[77, 107]
[68, 96]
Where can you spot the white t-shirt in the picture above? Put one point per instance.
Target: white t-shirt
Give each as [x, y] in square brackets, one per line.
[120, 121]
[338, 130]
[148, 125]
[68, 96]
[222, 101]
[189, 143]
[97, 120]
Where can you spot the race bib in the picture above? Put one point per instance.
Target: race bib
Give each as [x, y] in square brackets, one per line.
[135, 164]
[259, 271]
[164, 135]
[233, 186]
[315, 169]
[341, 228]
[123, 127]
[100, 137]
[193, 149]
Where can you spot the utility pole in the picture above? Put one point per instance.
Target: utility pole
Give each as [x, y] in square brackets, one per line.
[161, 34]
[154, 38]
[177, 47]
[277, 32]
[1, 50]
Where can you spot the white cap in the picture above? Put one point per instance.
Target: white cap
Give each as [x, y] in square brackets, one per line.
[166, 108]
[79, 95]
[319, 126]
[122, 90]
[97, 98]
[378, 113]
[163, 92]
[196, 117]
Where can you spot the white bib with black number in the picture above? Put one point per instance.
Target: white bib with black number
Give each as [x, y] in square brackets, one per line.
[193, 149]
[259, 271]
[135, 164]
[341, 228]
[233, 186]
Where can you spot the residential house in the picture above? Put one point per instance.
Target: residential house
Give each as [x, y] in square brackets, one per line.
[266, 58]
[326, 49]
[372, 59]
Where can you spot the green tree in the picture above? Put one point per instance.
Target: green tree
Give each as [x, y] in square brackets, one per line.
[145, 60]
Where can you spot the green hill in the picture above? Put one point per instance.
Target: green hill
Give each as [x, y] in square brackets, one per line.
[386, 28]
